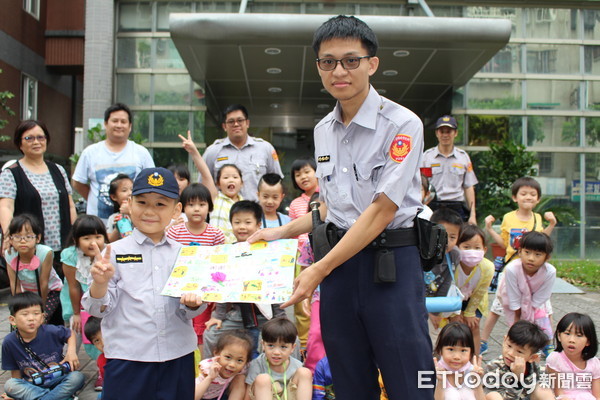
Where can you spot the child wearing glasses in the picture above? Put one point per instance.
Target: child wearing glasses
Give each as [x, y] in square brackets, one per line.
[30, 263]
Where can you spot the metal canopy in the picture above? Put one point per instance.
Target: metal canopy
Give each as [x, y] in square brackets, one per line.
[225, 53]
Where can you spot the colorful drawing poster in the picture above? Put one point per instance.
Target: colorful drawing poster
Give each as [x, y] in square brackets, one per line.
[261, 272]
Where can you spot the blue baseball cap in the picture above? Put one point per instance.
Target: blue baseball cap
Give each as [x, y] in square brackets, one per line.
[156, 180]
[446, 120]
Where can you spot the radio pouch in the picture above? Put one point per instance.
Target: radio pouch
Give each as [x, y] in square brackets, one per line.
[433, 240]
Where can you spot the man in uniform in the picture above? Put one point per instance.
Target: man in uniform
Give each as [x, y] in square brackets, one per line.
[452, 172]
[253, 156]
[368, 152]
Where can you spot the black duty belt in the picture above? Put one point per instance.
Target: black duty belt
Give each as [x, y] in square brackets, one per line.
[391, 238]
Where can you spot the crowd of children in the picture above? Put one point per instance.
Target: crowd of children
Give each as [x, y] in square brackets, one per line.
[249, 351]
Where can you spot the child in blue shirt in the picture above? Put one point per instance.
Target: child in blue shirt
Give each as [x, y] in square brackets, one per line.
[34, 347]
[149, 338]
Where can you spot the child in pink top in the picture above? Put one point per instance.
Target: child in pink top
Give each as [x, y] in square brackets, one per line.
[303, 172]
[574, 367]
[528, 281]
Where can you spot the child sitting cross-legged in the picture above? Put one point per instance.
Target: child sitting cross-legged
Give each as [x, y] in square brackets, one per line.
[519, 361]
[34, 347]
[275, 374]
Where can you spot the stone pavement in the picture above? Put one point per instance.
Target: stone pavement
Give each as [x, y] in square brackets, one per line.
[587, 303]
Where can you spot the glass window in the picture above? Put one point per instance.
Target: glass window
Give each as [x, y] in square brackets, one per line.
[382, 9]
[552, 23]
[133, 52]
[169, 124]
[591, 24]
[592, 60]
[592, 132]
[169, 156]
[164, 9]
[29, 98]
[507, 60]
[553, 131]
[32, 7]
[515, 15]
[549, 95]
[133, 89]
[218, 6]
[172, 89]
[552, 59]
[199, 95]
[135, 17]
[167, 55]
[141, 125]
[494, 94]
[593, 95]
[592, 205]
[486, 129]
[447, 11]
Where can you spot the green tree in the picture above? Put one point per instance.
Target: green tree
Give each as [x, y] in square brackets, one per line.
[5, 96]
[496, 170]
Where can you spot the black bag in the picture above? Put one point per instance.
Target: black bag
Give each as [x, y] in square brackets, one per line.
[433, 240]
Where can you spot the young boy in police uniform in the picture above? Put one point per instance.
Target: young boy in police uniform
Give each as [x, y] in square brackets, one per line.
[149, 339]
[369, 152]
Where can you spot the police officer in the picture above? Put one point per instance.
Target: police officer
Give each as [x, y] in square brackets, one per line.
[452, 172]
[253, 156]
[368, 152]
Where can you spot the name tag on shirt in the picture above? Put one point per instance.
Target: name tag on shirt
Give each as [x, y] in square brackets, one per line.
[223, 158]
[129, 258]
[323, 158]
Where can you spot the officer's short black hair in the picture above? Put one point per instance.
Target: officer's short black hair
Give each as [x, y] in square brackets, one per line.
[279, 329]
[246, 206]
[92, 327]
[23, 300]
[234, 107]
[118, 107]
[536, 241]
[447, 215]
[527, 334]
[526, 181]
[344, 27]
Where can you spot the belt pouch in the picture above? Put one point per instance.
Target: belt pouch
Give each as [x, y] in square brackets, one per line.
[385, 266]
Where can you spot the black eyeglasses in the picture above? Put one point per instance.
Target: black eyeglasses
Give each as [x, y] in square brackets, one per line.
[233, 122]
[30, 139]
[329, 64]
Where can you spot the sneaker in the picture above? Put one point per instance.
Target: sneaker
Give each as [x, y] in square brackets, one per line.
[98, 384]
[548, 349]
[483, 347]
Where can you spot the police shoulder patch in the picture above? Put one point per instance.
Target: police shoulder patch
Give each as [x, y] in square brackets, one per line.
[400, 147]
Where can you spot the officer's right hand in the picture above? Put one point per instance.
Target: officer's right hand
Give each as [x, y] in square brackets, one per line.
[102, 270]
[267, 234]
[489, 220]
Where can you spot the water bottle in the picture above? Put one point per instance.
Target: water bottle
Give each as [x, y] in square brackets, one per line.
[55, 371]
[498, 267]
[125, 227]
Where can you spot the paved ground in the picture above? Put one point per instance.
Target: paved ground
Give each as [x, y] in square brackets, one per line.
[588, 303]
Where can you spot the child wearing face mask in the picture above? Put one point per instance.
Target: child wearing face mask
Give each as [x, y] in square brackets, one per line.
[473, 278]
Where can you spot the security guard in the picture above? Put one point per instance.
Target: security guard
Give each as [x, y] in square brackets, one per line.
[368, 152]
[452, 172]
[253, 156]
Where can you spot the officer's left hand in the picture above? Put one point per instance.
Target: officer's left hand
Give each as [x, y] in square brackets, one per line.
[305, 284]
[191, 300]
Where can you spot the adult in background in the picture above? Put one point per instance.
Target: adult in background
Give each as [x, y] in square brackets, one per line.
[255, 157]
[368, 152]
[452, 172]
[101, 162]
[35, 186]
